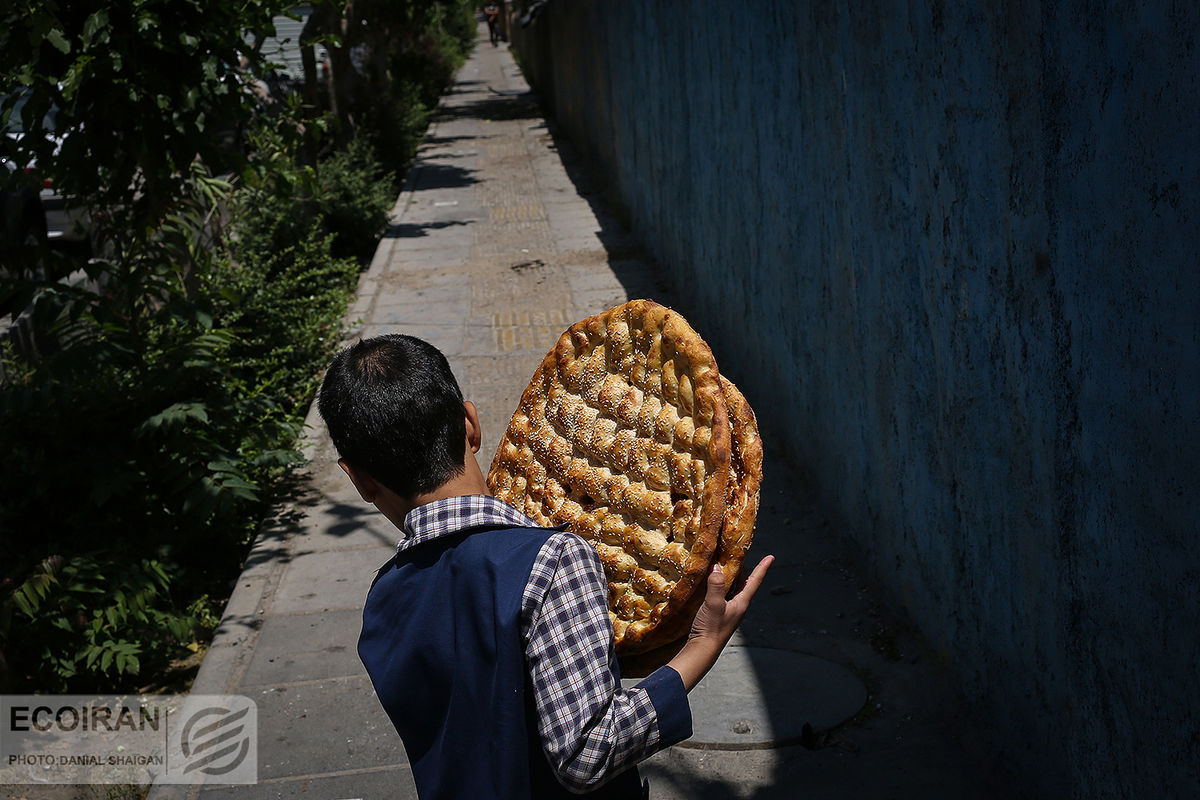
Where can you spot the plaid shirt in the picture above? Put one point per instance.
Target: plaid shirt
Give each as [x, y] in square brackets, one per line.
[591, 728]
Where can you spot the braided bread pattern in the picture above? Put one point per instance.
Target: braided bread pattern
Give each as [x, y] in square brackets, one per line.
[737, 531]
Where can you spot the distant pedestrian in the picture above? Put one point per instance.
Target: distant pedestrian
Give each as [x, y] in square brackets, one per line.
[492, 13]
[487, 636]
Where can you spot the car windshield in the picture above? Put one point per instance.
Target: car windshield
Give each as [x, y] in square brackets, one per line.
[10, 114]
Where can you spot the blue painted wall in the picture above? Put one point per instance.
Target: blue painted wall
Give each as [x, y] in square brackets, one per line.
[953, 250]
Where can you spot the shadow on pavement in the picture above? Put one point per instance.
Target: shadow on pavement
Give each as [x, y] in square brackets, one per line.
[356, 519]
[500, 107]
[412, 230]
[441, 176]
[433, 141]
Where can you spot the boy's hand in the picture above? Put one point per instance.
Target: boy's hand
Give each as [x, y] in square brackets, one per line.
[718, 618]
[715, 622]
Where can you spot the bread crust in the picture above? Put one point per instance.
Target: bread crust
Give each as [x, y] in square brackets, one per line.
[623, 435]
[745, 483]
[737, 532]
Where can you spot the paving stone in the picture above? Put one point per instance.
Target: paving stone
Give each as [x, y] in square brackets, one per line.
[323, 727]
[391, 783]
[344, 523]
[448, 337]
[323, 580]
[410, 312]
[306, 647]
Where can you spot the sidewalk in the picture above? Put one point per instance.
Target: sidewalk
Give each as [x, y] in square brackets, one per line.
[497, 245]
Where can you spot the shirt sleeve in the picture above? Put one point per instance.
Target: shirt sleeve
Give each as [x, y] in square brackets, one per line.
[591, 728]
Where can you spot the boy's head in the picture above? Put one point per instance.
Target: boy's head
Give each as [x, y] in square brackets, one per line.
[395, 411]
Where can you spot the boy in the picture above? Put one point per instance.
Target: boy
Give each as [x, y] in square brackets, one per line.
[487, 637]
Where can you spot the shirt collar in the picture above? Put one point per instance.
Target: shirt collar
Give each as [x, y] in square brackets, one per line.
[452, 514]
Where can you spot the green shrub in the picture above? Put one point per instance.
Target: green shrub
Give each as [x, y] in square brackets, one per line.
[395, 128]
[148, 444]
[99, 616]
[286, 308]
[347, 195]
[353, 200]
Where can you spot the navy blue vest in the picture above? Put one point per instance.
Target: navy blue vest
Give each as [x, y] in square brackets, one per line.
[442, 643]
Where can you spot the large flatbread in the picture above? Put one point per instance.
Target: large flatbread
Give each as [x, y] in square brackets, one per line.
[623, 435]
[737, 531]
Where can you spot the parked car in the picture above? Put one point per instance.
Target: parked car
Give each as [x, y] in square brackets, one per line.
[22, 215]
[33, 211]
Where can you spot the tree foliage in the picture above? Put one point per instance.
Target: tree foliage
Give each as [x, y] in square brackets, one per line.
[146, 436]
[389, 61]
[148, 432]
[155, 434]
[142, 89]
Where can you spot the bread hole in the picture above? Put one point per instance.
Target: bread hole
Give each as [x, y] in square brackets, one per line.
[583, 498]
[677, 496]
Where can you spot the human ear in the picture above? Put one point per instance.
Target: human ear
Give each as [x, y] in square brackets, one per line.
[474, 432]
[367, 488]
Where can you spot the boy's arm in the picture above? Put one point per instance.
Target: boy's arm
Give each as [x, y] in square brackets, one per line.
[591, 729]
[715, 622]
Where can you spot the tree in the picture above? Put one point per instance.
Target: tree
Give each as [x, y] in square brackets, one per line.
[142, 89]
[364, 39]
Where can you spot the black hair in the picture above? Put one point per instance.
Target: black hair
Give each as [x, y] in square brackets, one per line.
[395, 411]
